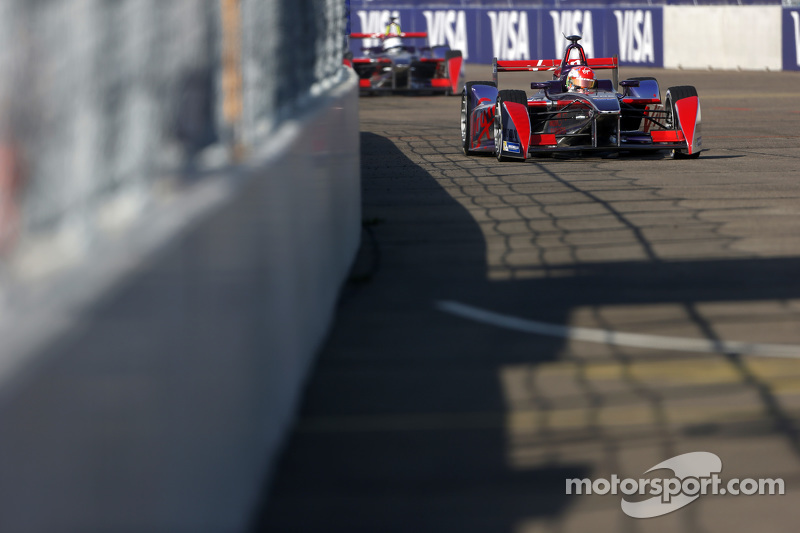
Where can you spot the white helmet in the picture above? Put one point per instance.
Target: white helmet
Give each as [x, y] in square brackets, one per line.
[392, 43]
[581, 79]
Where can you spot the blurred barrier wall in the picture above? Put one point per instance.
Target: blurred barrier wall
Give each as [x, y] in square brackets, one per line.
[92, 96]
[162, 405]
[154, 344]
[101, 99]
[723, 34]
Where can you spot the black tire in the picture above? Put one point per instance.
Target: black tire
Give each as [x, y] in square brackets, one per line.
[466, 112]
[450, 54]
[508, 95]
[674, 94]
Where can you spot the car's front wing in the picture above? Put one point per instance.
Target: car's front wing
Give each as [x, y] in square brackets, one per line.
[482, 120]
[383, 75]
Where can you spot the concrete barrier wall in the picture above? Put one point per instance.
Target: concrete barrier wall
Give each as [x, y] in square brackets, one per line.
[159, 407]
[723, 37]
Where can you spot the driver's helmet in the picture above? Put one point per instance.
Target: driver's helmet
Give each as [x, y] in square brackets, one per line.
[392, 44]
[581, 79]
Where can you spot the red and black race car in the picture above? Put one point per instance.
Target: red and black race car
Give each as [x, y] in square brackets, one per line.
[394, 65]
[577, 111]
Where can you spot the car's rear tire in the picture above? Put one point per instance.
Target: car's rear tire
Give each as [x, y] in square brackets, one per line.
[675, 94]
[508, 95]
[466, 113]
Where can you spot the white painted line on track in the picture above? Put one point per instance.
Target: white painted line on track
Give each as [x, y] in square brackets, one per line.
[615, 338]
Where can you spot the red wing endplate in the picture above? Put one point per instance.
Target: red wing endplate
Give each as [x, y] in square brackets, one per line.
[518, 113]
[688, 111]
[454, 71]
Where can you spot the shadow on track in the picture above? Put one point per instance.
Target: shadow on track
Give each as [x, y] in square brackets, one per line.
[416, 420]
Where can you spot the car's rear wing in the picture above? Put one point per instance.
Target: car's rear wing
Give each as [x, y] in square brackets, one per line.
[554, 65]
[408, 34]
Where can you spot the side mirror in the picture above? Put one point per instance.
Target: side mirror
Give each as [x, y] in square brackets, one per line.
[629, 83]
[540, 85]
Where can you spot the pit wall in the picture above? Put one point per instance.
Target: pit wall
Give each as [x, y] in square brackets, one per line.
[161, 405]
[750, 37]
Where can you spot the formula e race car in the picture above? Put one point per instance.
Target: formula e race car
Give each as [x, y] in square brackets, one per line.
[397, 66]
[577, 112]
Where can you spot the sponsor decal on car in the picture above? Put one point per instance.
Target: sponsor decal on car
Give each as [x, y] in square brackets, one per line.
[484, 123]
[511, 147]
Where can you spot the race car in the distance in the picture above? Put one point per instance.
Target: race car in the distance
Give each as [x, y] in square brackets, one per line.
[577, 111]
[396, 65]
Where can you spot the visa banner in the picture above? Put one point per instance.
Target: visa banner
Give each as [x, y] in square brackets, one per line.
[633, 34]
[791, 39]
[549, 4]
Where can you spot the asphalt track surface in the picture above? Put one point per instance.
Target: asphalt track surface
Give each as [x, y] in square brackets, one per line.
[435, 406]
